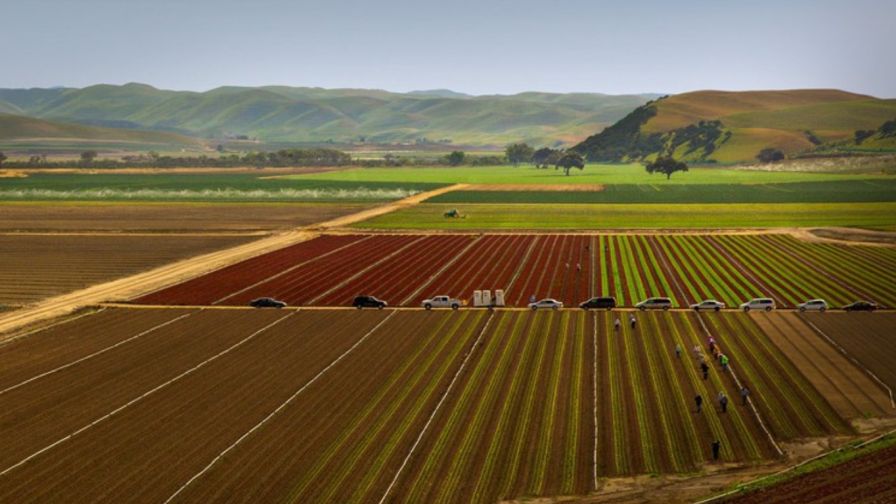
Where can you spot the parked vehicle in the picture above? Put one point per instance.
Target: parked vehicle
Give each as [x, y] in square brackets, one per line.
[369, 302]
[546, 303]
[655, 303]
[766, 304]
[441, 302]
[708, 304]
[599, 303]
[861, 306]
[813, 305]
[267, 302]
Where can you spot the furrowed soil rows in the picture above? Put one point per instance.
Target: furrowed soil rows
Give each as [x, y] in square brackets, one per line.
[850, 391]
[376, 401]
[154, 446]
[34, 267]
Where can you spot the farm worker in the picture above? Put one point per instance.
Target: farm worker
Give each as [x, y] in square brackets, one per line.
[697, 352]
[567, 265]
[712, 345]
[532, 298]
[699, 400]
[579, 267]
[705, 368]
[678, 352]
[617, 324]
[724, 360]
[631, 320]
[744, 394]
[723, 402]
[716, 447]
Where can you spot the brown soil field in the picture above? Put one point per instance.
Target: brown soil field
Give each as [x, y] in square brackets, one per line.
[849, 389]
[868, 337]
[33, 267]
[168, 217]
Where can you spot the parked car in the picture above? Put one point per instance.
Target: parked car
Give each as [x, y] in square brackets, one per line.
[766, 304]
[266, 302]
[861, 306]
[655, 303]
[813, 305]
[599, 303]
[441, 302]
[369, 302]
[708, 304]
[546, 303]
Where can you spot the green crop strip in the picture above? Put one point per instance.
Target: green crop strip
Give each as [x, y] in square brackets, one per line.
[710, 270]
[648, 443]
[618, 427]
[646, 256]
[666, 245]
[749, 258]
[546, 441]
[575, 406]
[642, 271]
[705, 279]
[604, 272]
[739, 287]
[632, 281]
[809, 276]
[616, 267]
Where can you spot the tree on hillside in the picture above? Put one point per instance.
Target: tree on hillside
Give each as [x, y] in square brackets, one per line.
[861, 135]
[769, 155]
[570, 160]
[456, 158]
[518, 153]
[546, 156]
[87, 157]
[666, 165]
[2, 158]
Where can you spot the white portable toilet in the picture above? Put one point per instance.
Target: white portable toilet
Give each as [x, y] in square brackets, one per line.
[477, 298]
[486, 298]
[499, 297]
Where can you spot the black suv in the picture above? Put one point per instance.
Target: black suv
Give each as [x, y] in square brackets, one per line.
[599, 302]
[861, 306]
[266, 302]
[369, 302]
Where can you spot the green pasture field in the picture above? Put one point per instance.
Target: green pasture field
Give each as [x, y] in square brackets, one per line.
[633, 173]
[845, 191]
[197, 187]
[638, 216]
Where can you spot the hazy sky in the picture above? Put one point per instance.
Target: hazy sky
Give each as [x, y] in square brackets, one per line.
[479, 47]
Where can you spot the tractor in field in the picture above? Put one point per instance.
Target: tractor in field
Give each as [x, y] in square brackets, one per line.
[453, 214]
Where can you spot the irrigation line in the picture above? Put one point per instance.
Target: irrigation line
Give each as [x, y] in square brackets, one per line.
[441, 270]
[94, 354]
[853, 359]
[795, 467]
[4, 340]
[740, 386]
[278, 409]
[519, 269]
[141, 397]
[435, 411]
[594, 404]
[291, 268]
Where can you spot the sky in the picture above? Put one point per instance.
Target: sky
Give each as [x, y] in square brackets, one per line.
[477, 47]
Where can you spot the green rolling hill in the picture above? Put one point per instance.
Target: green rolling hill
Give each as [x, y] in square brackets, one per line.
[294, 114]
[21, 130]
[729, 127]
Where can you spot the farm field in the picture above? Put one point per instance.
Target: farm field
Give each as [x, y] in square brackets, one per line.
[166, 217]
[404, 269]
[467, 406]
[838, 191]
[604, 216]
[33, 267]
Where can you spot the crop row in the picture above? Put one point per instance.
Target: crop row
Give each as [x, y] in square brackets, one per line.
[405, 269]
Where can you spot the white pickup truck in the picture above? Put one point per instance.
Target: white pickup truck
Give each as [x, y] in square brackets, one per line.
[441, 302]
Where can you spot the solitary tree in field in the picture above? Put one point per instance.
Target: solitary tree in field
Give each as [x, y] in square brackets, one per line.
[87, 157]
[456, 158]
[518, 153]
[666, 165]
[2, 158]
[770, 155]
[569, 161]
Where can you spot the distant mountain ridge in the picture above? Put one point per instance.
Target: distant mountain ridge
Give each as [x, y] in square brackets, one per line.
[732, 126]
[18, 128]
[302, 114]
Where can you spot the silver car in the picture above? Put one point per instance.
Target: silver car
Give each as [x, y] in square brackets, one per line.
[655, 303]
[708, 304]
[546, 303]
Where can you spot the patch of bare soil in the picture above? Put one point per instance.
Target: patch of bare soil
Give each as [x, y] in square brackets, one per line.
[537, 187]
[851, 235]
[12, 174]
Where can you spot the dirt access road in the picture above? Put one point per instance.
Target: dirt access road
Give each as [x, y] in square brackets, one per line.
[169, 274]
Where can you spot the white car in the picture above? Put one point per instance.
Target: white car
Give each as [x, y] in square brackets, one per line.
[708, 304]
[766, 304]
[546, 303]
[441, 302]
[655, 303]
[813, 305]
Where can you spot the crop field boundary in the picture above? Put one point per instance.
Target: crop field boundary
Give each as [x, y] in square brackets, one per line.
[852, 359]
[142, 396]
[594, 401]
[279, 408]
[438, 406]
[740, 386]
[5, 340]
[98, 352]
